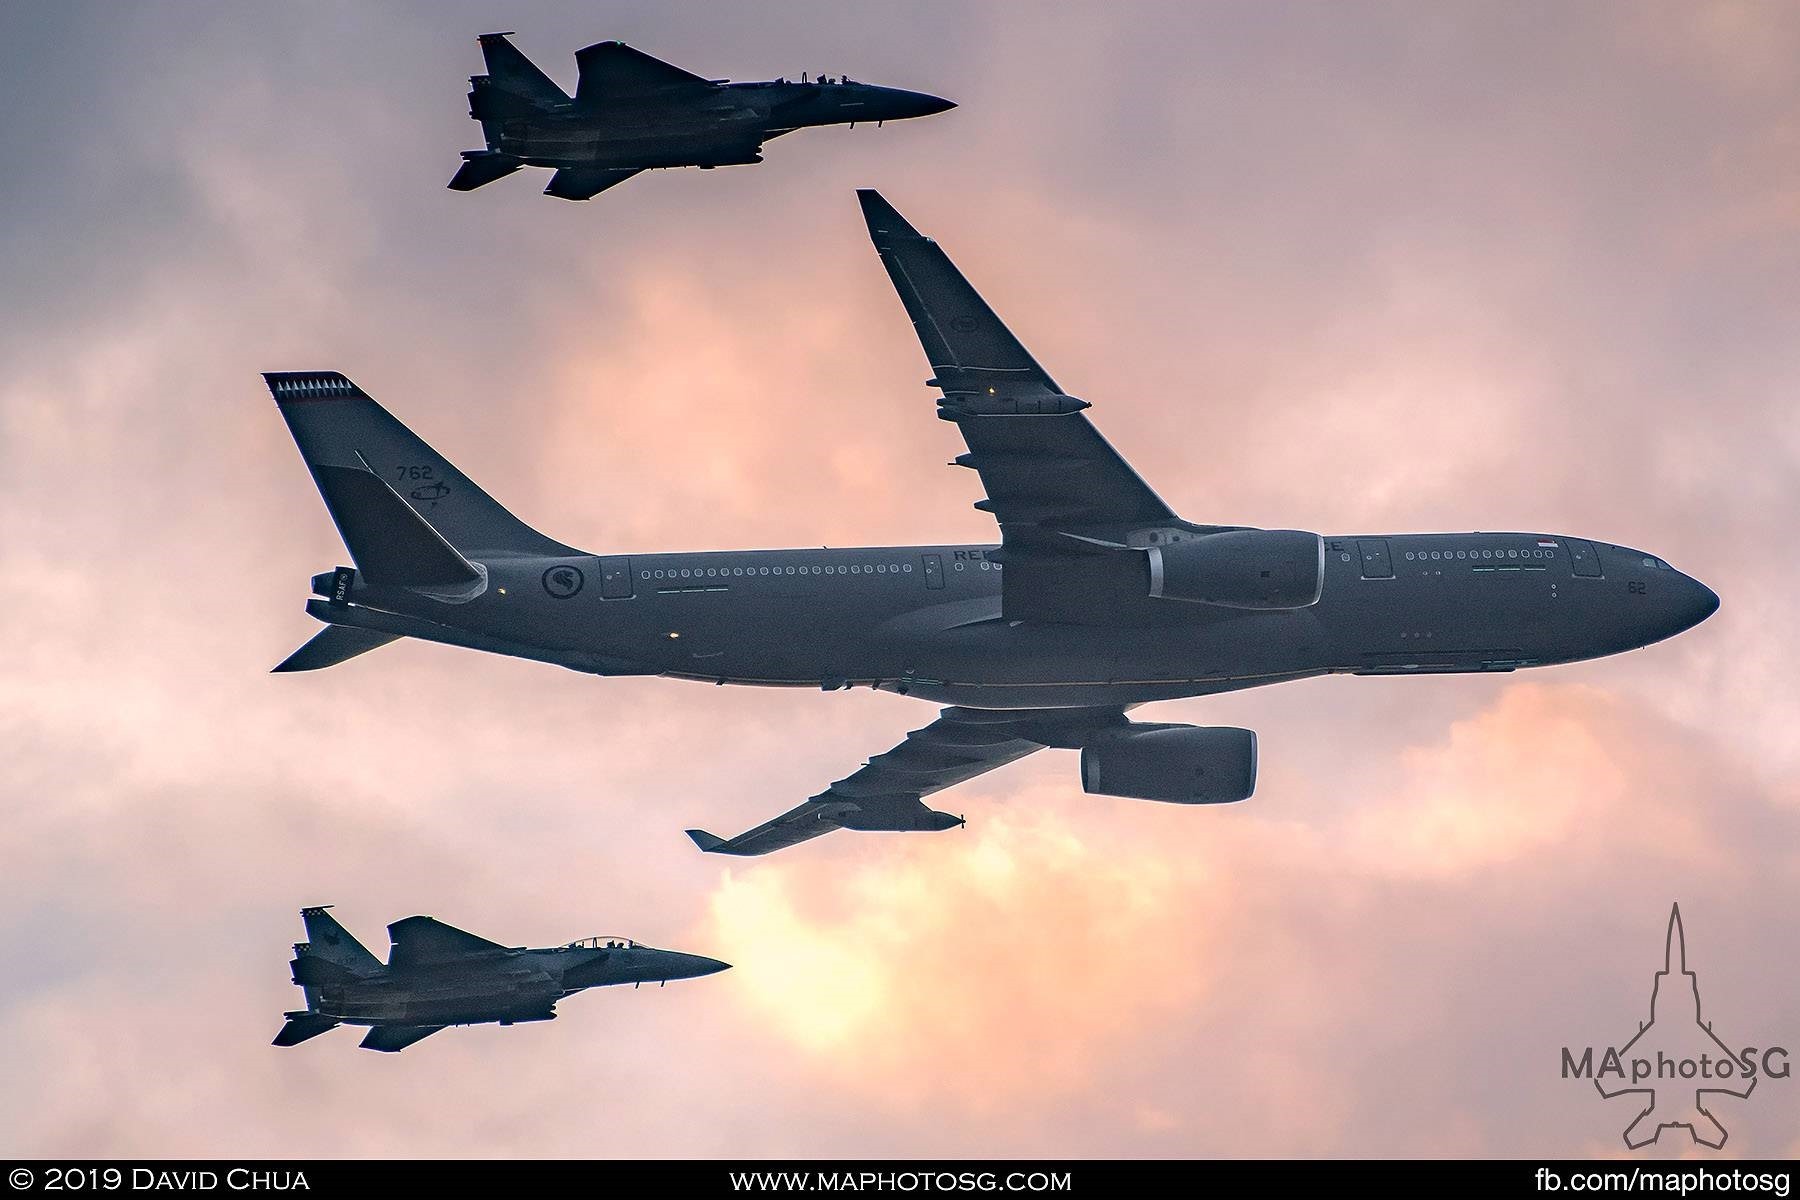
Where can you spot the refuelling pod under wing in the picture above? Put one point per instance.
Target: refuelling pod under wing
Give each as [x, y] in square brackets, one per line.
[1241, 568]
[1176, 764]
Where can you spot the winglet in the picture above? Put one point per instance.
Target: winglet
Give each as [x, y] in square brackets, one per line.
[975, 359]
[884, 221]
[709, 842]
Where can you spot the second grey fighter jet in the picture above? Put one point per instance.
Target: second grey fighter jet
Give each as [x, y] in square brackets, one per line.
[437, 976]
[1097, 599]
[631, 112]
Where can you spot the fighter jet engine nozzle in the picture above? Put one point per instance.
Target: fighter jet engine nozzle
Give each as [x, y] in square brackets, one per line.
[1241, 568]
[315, 971]
[1175, 764]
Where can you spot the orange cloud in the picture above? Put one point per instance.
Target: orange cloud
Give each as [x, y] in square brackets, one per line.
[1013, 960]
[1028, 957]
[1308, 272]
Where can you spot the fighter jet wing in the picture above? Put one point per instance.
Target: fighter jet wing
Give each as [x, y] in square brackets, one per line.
[422, 941]
[584, 183]
[887, 793]
[611, 70]
[391, 1039]
[1062, 495]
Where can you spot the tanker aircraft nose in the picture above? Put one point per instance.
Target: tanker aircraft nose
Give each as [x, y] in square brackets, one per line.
[1695, 602]
[1659, 601]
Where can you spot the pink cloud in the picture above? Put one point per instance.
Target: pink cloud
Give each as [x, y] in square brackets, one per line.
[1370, 272]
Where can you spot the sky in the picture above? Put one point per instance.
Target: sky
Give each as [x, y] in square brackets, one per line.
[1349, 267]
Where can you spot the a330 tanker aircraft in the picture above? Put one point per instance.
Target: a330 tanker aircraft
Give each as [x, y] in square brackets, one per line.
[1098, 597]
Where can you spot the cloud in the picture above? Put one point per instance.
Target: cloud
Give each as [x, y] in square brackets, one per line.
[1221, 963]
[1355, 271]
[1035, 953]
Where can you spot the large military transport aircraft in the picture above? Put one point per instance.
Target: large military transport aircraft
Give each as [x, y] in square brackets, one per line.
[1098, 597]
[437, 976]
[631, 112]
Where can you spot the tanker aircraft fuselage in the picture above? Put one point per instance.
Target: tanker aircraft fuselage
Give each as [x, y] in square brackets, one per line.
[1098, 597]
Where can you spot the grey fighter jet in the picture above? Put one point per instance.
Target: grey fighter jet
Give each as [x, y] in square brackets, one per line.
[631, 112]
[437, 976]
[1097, 599]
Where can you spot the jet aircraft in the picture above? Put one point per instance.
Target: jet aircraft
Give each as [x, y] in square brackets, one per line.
[631, 112]
[1098, 597]
[437, 976]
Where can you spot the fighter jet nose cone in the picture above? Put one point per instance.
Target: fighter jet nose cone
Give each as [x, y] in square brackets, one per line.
[694, 966]
[898, 104]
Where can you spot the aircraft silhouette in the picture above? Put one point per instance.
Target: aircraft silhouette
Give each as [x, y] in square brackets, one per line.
[1099, 598]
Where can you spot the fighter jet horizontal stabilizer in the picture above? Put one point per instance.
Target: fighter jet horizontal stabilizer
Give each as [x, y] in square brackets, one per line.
[391, 1039]
[584, 183]
[302, 1026]
[482, 167]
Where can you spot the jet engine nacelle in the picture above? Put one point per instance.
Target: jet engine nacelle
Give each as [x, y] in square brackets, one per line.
[1177, 764]
[1241, 568]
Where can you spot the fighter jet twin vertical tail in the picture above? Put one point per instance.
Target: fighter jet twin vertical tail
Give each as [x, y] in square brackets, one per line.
[1099, 598]
[437, 976]
[631, 112]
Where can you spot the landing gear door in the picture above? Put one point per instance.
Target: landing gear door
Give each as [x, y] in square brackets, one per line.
[615, 578]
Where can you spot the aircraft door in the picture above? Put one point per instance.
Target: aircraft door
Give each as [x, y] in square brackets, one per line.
[1376, 562]
[1582, 559]
[615, 578]
[934, 570]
